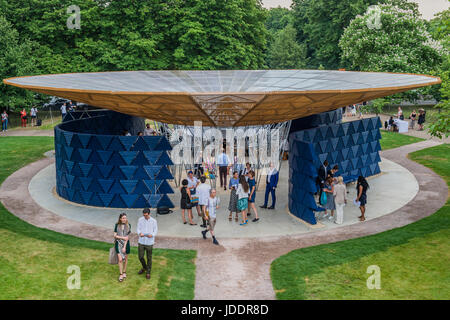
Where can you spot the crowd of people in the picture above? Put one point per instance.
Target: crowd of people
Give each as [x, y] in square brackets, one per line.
[332, 194]
[391, 125]
[198, 195]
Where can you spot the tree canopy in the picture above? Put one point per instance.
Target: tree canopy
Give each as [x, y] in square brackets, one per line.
[133, 35]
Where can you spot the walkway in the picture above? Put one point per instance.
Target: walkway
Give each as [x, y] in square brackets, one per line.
[242, 266]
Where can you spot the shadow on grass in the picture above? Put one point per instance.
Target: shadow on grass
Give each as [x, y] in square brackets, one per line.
[289, 271]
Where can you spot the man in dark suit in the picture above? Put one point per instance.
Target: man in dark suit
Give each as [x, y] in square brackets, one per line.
[322, 176]
[271, 185]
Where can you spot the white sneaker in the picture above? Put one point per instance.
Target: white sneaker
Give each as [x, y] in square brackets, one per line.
[331, 218]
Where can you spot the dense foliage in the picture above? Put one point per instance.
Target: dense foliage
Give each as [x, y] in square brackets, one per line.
[320, 24]
[131, 35]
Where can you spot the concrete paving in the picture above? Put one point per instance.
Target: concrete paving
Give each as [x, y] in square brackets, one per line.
[394, 180]
[242, 265]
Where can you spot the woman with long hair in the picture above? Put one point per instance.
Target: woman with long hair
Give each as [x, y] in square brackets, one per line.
[242, 192]
[361, 196]
[122, 244]
[185, 202]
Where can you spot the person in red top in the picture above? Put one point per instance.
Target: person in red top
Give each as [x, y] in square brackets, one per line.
[23, 117]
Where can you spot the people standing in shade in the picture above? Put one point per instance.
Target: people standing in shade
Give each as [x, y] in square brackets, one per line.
[211, 210]
[242, 192]
[63, 110]
[322, 174]
[361, 189]
[122, 230]
[252, 195]
[340, 199]
[203, 195]
[413, 117]
[271, 185]
[23, 118]
[333, 172]
[185, 202]
[33, 114]
[148, 131]
[147, 228]
[4, 121]
[329, 205]
[223, 162]
[232, 206]
[192, 185]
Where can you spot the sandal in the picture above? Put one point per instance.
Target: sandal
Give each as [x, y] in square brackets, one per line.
[120, 278]
[362, 219]
[184, 222]
[192, 224]
[124, 275]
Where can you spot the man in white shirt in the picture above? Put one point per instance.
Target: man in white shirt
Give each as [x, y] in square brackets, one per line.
[223, 162]
[63, 110]
[203, 195]
[192, 186]
[33, 113]
[147, 228]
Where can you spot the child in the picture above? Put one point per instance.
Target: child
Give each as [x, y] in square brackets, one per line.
[212, 206]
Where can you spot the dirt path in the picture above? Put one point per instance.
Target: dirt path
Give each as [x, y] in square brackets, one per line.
[28, 133]
[240, 268]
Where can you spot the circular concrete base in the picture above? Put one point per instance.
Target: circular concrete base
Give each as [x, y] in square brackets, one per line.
[389, 191]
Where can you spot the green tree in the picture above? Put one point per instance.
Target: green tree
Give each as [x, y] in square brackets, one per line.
[278, 19]
[285, 52]
[16, 59]
[399, 42]
[320, 24]
[217, 34]
[440, 30]
[137, 35]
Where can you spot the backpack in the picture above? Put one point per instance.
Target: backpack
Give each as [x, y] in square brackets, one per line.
[163, 210]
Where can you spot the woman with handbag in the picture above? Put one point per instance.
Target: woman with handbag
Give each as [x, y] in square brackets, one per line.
[185, 202]
[329, 205]
[122, 244]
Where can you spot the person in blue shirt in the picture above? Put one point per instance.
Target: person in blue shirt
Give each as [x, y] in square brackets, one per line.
[271, 185]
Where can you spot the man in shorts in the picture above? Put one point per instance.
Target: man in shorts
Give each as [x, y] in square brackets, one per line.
[213, 205]
[33, 113]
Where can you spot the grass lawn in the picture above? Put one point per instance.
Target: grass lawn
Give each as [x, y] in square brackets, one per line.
[390, 140]
[34, 261]
[413, 259]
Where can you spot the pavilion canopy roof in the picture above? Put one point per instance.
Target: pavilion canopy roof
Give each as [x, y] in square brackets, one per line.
[223, 98]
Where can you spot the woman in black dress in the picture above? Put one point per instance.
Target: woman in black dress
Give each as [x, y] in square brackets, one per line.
[421, 120]
[185, 202]
[361, 189]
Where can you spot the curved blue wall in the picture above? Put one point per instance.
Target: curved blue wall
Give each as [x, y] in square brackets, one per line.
[354, 146]
[97, 166]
